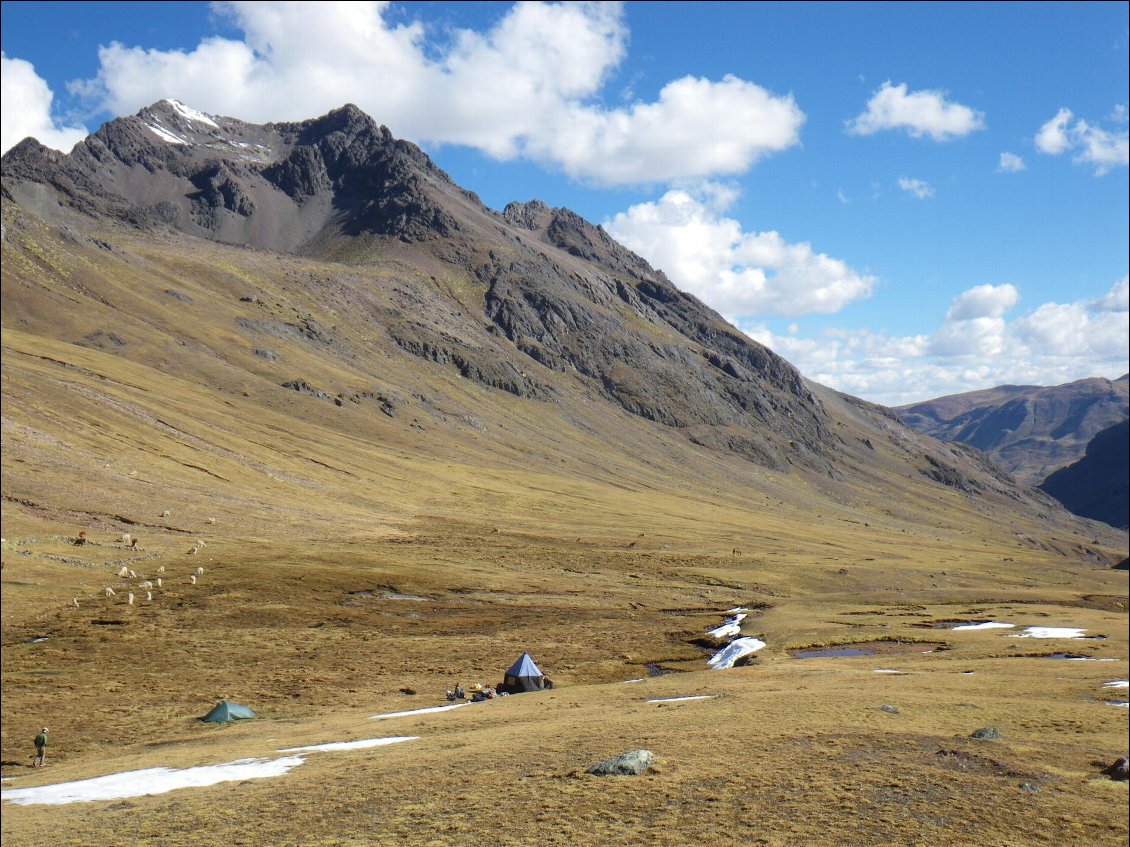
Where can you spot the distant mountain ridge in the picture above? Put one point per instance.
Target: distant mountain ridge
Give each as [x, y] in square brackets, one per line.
[1031, 431]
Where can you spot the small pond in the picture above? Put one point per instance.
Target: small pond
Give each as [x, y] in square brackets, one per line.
[868, 648]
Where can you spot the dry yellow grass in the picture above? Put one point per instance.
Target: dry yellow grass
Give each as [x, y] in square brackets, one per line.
[600, 543]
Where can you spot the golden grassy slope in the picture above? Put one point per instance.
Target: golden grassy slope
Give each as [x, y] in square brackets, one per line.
[598, 542]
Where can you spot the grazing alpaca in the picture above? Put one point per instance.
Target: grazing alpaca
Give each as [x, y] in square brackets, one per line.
[192, 579]
[74, 602]
[212, 521]
[132, 574]
[78, 542]
[166, 513]
[158, 582]
[737, 552]
[129, 598]
[200, 571]
[161, 569]
[149, 596]
[109, 591]
[127, 539]
[124, 572]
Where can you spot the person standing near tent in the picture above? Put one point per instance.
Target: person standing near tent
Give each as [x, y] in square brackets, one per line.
[40, 748]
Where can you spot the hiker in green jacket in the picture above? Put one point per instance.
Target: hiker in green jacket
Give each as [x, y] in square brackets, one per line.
[40, 748]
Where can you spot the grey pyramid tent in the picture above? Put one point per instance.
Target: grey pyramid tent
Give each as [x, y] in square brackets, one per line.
[225, 712]
[524, 675]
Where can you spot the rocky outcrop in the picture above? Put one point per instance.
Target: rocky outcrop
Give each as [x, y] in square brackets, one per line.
[633, 763]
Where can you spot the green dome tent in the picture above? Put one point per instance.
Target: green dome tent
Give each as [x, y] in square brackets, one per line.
[225, 712]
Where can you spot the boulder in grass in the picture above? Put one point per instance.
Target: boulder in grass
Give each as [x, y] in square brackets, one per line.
[1120, 770]
[987, 733]
[634, 763]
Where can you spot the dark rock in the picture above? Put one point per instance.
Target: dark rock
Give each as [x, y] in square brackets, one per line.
[987, 733]
[633, 763]
[889, 709]
[1120, 770]
[1030, 787]
[177, 295]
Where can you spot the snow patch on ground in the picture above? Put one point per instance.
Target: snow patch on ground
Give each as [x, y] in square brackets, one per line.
[888, 670]
[1120, 704]
[351, 745]
[141, 783]
[729, 629]
[681, 699]
[1049, 632]
[725, 658]
[418, 711]
[1117, 683]
[986, 625]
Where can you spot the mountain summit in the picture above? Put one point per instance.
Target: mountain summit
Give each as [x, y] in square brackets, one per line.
[329, 271]
[552, 290]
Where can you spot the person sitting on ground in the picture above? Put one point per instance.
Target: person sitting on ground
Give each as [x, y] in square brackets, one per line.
[40, 748]
[460, 694]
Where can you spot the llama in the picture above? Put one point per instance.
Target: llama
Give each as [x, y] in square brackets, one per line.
[109, 591]
[193, 550]
[200, 571]
[192, 579]
[166, 513]
[124, 572]
[127, 539]
[212, 521]
[129, 599]
[74, 602]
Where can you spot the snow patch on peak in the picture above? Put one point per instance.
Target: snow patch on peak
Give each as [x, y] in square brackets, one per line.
[190, 113]
[165, 135]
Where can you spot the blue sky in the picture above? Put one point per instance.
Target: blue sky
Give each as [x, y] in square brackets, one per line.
[904, 200]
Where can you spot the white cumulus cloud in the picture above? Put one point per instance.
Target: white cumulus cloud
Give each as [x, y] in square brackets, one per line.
[916, 187]
[27, 109]
[1102, 149]
[1010, 163]
[920, 113]
[687, 235]
[974, 346]
[527, 87]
